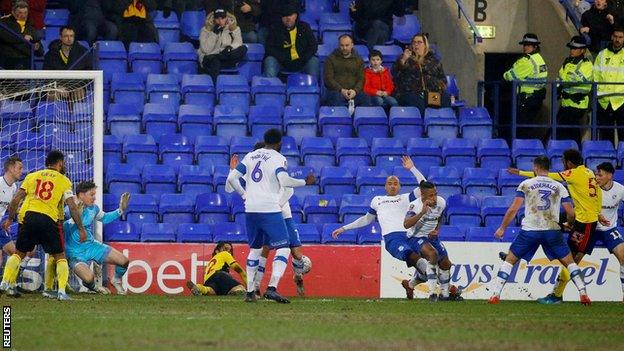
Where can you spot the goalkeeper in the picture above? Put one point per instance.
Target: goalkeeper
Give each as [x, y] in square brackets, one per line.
[80, 253]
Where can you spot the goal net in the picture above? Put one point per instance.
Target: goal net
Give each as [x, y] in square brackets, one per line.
[42, 111]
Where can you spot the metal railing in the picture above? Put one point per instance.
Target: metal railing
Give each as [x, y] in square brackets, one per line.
[19, 36]
[551, 88]
[90, 51]
[461, 12]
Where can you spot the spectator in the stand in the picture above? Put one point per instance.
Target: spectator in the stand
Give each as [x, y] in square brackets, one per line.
[133, 20]
[89, 18]
[66, 52]
[608, 68]
[15, 50]
[177, 6]
[418, 72]
[574, 98]
[291, 46]
[36, 12]
[579, 7]
[530, 66]
[245, 11]
[270, 16]
[344, 76]
[220, 43]
[378, 82]
[597, 22]
[373, 19]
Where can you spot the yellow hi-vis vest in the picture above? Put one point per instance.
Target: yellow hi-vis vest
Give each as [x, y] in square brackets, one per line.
[580, 70]
[609, 67]
[528, 67]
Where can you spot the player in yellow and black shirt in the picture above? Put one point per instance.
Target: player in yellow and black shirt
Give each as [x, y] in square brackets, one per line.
[43, 193]
[217, 277]
[587, 198]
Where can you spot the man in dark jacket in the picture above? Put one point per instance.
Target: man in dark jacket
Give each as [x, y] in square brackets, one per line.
[597, 22]
[65, 53]
[270, 15]
[373, 19]
[15, 50]
[132, 17]
[89, 18]
[245, 11]
[344, 76]
[178, 6]
[291, 46]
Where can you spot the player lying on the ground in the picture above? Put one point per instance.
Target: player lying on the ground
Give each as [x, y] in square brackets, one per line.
[217, 277]
[80, 253]
[540, 227]
[422, 222]
[301, 264]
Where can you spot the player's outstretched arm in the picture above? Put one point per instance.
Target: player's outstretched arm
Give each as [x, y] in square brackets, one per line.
[409, 165]
[358, 223]
[509, 215]
[12, 210]
[287, 181]
[76, 216]
[108, 217]
[530, 174]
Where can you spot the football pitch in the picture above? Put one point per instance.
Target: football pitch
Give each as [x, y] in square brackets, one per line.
[142, 322]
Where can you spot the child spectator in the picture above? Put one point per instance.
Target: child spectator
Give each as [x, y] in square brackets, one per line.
[378, 82]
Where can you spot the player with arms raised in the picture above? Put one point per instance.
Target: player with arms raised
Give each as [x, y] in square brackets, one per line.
[44, 192]
[540, 227]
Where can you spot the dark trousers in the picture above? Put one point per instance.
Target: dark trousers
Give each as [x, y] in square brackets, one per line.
[574, 117]
[15, 62]
[137, 30]
[529, 106]
[611, 118]
[335, 98]
[377, 33]
[90, 30]
[212, 64]
[418, 99]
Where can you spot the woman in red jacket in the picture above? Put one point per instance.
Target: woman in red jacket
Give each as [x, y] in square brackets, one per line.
[378, 82]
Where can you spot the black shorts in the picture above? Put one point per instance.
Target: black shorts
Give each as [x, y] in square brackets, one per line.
[39, 229]
[581, 239]
[221, 282]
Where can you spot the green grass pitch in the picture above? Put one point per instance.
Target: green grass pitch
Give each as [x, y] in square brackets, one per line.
[142, 322]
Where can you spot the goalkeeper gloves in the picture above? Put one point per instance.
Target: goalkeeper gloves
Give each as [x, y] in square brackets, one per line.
[123, 202]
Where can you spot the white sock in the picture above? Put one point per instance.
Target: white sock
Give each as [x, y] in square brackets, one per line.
[622, 277]
[253, 261]
[432, 278]
[260, 272]
[421, 266]
[501, 277]
[280, 262]
[577, 278]
[444, 276]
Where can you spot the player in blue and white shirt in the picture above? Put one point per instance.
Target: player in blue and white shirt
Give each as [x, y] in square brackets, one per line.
[390, 211]
[422, 222]
[264, 172]
[80, 253]
[13, 168]
[540, 227]
[612, 198]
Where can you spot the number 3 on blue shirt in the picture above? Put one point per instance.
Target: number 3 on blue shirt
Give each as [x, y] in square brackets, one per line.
[256, 174]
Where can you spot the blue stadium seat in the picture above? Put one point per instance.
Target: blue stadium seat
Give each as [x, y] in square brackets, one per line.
[18, 113]
[459, 153]
[140, 149]
[371, 234]
[197, 89]
[390, 52]
[112, 149]
[300, 172]
[523, 151]
[463, 210]
[453, 90]
[263, 118]
[404, 28]
[508, 183]
[142, 208]
[160, 119]
[128, 88]
[348, 237]
[620, 153]
[296, 209]
[335, 122]
[212, 150]
[370, 122]
[352, 153]
[212, 208]
[481, 234]
[158, 232]
[493, 153]
[111, 203]
[219, 177]
[255, 52]
[240, 145]
[163, 88]
[493, 209]
[425, 153]
[175, 150]
[268, 91]
[370, 177]
[195, 120]
[337, 181]
[555, 151]
[121, 231]
[308, 233]
[475, 123]
[441, 124]
[180, 58]
[159, 179]
[300, 121]
[191, 23]
[324, 50]
[194, 180]
[177, 208]
[145, 58]
[480, 182]
[110, 67]
[302, 90]
[56, 17]
[233, 90]
[194, 233]
[229, 121]
[110, 49]
[319, 209]
[317, 152]
[122, 178]
[595, 152]
[289, 150]
[332, 25]
[451, 233]
[446, 179]
[405, 122]
[406, 178]
[237, 209]
[232, 232]
[387, 152]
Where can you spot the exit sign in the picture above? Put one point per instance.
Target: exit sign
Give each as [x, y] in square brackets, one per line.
[487, 32]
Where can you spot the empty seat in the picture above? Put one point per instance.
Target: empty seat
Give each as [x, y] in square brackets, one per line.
[424, 152]
[317, 152]
[159, 179]
[302, 89]
[163, 88]
[595, 152]
[121, 231]
[300, 121]
[387, 152]
[480, 234]
[480, 182]
[493, 209]
[263, 118]
[180, 58]
[212, 150]
[405, 122]
[524, 151]
[463, 210]
[160, 119]
[493, 153]
[370, 177]
[475, 123]
[370, 122]
[197, 89]
[240, 145]
[212, 208]
[300, 172]
[219, 177]
[337, 181]
[441, 124]
[233, 90]
[403, 28]
[459, 153]
[289, 150]
[158, 232]
[451, 233]
[191, 23]
[140, 149]
[508, 183]
[112, 149]
[446, 179]
[335, 122]
[142, 208]
[194, 233]
[308, 233]
[266, 91]
[145, 58]
[555, 151]
[195, 120]
[122, 178]
[128, 88]
[175, 150]
[348, 237]
[320, 209]
[352, 153]
[195, 179]
[232, 232]
[177, 208]
[370, 234]
[229, 121]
